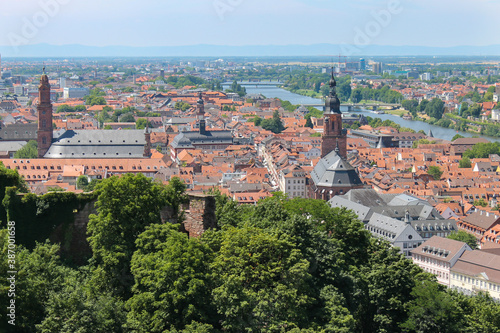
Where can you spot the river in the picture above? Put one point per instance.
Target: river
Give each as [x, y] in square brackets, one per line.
[437, 131]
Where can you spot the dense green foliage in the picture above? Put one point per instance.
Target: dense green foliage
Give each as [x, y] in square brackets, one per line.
[482, 150]
[273, 124]
[67, 108]
[125, 207]
[30, 150]
[383, 94]
[465, 237]
[9, 179]
[279, 266]
[183, 106]
[435, 172]
[318, 83]
[464, 163]
[95, 97]
[185, 80]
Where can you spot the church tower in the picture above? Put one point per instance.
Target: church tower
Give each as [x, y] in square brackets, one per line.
[45, 131]
[200, 106]
[333, 134]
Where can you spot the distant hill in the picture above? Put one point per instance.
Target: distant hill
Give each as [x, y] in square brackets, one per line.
[75, 50]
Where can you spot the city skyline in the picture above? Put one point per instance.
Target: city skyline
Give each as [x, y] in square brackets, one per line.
[155, 23]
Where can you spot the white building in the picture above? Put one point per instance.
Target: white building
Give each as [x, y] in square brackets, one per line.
[476, 271]
[293, 182]
[75, 92]
[438, 255]
[19, 90]
[495, 114]
[400, 234]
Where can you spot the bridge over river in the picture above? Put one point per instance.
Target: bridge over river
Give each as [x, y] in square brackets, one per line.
[354, 106]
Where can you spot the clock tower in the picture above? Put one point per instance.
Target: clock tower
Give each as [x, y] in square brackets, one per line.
[333, 134]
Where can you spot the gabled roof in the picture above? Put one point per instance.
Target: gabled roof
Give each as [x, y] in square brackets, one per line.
[97, 144]
[440, 248]
[479, 263]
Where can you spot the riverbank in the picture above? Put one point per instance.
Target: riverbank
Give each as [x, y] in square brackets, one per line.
[304, 92]
[474, 127]
[296, 99]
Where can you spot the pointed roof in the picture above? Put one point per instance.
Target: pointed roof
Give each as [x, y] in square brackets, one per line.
[332, 102]
[334, 171]
[380, 143]
[429, 134]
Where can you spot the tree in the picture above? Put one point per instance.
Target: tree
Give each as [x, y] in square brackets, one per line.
[457, 136]
[82, 182]
[385, 286]
[74, 308]
[432, 310]
[481, 312]
[127, 118]
[435, 172]
[125, 207]
[39, 273]
[95, 100]
[261, 281]
[309, 123]
[65, 108]
[172, 281]
[80, 108]
[465, 237]
[464, 163]
[481, 202]
[482, 150]
[141, 123]
[30, 150]
[275, 124]
[435, 108]
[411, 105]
[9, 178]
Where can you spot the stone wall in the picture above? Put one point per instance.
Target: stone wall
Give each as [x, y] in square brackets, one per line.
[199, 215]
[73, 237]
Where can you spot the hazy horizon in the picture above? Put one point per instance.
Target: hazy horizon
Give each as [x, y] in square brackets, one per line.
[175, 23]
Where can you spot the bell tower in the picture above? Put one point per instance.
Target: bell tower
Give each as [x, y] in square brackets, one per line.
[44, 108]
[333, 134]
[200, 106]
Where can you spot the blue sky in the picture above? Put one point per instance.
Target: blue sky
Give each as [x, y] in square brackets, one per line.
[249, 22]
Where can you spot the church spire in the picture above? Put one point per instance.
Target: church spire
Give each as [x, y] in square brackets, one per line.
[332, 104]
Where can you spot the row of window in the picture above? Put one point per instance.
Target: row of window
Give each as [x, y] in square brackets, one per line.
[431, 261]
[114, 167]
[295, 181]
[437, 273]
[475, 282]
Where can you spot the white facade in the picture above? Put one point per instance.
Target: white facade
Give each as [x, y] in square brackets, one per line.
[495, 114]
[293, 184]
[400, 234]
[75, 92]
[438, 255]
[469, 285]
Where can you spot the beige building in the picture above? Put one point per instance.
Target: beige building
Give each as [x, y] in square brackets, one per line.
[438, 255]
[293, 182]
[477, 271]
